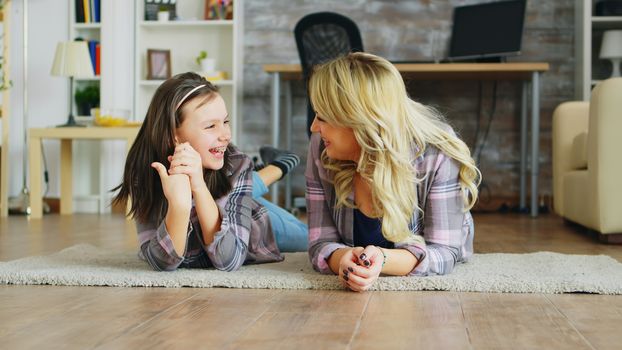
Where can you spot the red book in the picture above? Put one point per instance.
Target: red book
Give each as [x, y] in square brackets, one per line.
[97, 58]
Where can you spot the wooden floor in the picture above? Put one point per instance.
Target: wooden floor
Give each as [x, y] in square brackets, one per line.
[145, 318]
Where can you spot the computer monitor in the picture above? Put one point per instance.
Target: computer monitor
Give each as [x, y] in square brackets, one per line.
[489, 30]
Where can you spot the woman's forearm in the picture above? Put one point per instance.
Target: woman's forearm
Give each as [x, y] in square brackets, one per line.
[398, 262]
[208, 213]
[335, 258]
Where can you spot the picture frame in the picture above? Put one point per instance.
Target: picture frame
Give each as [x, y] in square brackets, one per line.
[158, 64]
[218, 10]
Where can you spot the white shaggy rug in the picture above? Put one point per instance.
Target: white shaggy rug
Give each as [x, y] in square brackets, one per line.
[543, 272]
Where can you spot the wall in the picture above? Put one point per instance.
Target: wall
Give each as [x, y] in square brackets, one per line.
[398, 30]
[403, 30]
[47, 96]
[116, 84]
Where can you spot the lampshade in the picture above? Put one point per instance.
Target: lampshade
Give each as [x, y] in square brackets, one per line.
[612, 44]
[72, 59]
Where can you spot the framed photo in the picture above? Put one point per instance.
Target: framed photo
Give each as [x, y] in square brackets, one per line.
[218, 9]
[158, 64]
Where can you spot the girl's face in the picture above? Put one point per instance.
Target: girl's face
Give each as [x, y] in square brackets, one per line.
[206, 127]
[339, 141]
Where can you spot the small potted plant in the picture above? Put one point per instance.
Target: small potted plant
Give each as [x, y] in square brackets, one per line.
[86, 99]
[208, 65]
[163, 14]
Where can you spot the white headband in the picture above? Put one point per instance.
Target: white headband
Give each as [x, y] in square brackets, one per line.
[188, 94]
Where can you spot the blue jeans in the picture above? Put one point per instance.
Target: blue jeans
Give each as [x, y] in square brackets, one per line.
[290, 233]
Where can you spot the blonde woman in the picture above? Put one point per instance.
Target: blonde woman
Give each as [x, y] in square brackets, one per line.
[389, 184]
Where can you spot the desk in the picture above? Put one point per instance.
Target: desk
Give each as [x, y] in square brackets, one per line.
[66, 136]
[528, 72]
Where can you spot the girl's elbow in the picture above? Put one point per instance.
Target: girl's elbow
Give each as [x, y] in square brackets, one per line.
[228, 265]
[229, 258]
[161, 267]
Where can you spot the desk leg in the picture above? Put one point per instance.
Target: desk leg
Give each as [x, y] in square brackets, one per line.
[287, 87]
[535, 140]
[36, 200]
[523, 148]
[66, 177]
[276, 114]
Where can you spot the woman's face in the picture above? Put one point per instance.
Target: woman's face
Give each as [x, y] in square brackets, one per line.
[339, 141]
[206, 127]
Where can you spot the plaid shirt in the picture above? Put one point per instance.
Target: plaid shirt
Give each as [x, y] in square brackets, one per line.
[245, 234]
[445, 227]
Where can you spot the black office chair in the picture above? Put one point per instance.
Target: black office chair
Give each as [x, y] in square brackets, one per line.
[320, 37]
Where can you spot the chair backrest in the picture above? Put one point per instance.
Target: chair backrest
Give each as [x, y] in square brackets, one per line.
[320, 37]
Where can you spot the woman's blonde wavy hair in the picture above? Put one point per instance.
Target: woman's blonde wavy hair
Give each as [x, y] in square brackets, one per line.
[366, 93]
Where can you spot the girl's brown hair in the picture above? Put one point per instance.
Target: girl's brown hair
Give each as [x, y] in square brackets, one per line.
[156, 141]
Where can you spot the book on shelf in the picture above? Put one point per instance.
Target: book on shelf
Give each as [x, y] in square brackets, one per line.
[88, 11]
[94, 48]
[98, 59]
[92, 52]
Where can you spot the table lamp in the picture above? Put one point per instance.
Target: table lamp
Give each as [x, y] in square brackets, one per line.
[611, 49]
[72, 60]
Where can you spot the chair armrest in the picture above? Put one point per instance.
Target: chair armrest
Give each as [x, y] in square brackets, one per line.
[569, 120]
[603, 154]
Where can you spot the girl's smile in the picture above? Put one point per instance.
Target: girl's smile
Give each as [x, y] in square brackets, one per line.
[206, 127]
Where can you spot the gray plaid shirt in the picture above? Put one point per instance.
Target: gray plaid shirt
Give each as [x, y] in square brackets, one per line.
[446, 228]
[245, 234]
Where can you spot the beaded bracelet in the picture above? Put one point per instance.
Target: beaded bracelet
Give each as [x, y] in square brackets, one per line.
[384, 256]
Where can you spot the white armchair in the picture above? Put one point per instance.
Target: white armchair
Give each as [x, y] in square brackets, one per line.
[587, 161]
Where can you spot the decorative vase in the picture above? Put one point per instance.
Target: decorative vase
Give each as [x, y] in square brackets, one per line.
[208, 65]
[163, 16]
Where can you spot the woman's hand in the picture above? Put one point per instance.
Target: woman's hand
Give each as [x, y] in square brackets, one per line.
[362, 268]
[176, 187]
[347, 263]
[187, 161]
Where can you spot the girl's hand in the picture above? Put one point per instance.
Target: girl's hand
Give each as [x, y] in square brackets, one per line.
[366, 270]
[187, 161]
[176, 187]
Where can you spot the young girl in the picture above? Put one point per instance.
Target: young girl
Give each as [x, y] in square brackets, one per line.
[194, 196]
[389, 184]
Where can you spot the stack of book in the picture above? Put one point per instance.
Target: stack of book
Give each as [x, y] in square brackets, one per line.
[88, 11]
[95, 53]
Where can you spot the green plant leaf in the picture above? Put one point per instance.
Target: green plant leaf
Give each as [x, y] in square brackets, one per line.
[202, 55]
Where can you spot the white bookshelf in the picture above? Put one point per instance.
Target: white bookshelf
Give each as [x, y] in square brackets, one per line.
[590, 69]
[89, 196]
[86, 31]
[185, 38]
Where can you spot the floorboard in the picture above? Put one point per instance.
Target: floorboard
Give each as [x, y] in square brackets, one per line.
[144, 318]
